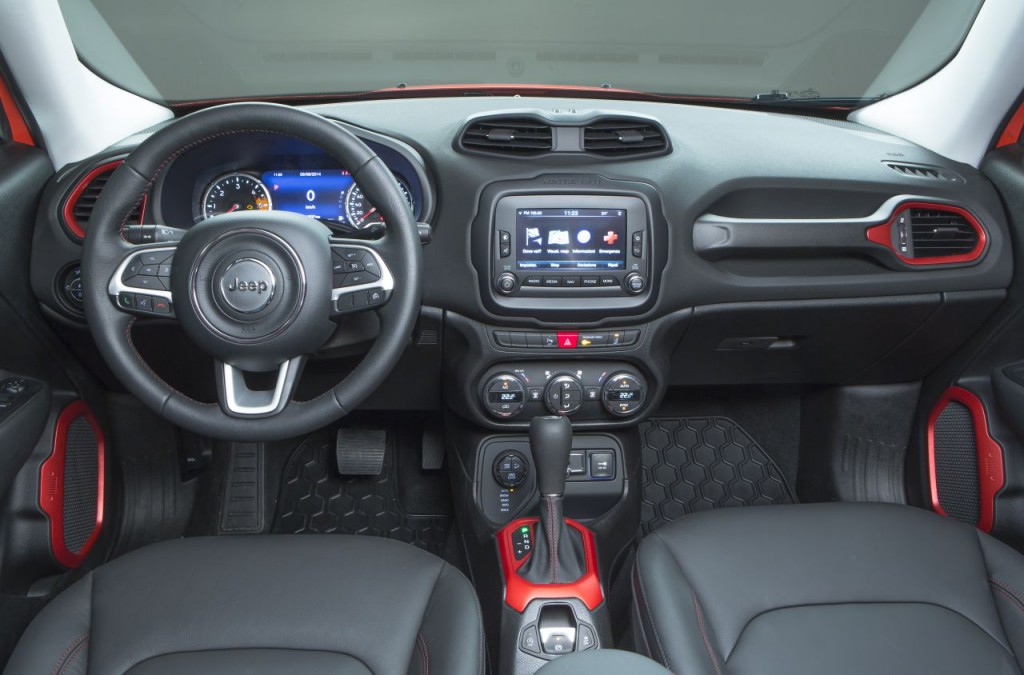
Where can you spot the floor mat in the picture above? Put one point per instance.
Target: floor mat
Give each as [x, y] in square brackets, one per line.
[314, 498]
[695, 464]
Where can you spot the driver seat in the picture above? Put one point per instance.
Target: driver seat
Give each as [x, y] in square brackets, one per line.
[349, 605]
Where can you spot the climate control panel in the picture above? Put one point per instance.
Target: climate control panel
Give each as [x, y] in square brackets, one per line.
[581, 390]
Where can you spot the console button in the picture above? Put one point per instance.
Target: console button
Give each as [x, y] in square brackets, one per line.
[550, 340]
[590, 340]
[568, 340]
[571, 281]
[630, 337]
[585, 638]
[501, 337]
[577, 463]
[533, 280]
[602, 465]
[535, 394]
[616, 338]
[638, 244]
[530, 642]
[504, 243]
[534, 340]
[518, 338]
[590, 282]
[609, 282]
[510, 470]
[558, 643]
[593, 393]
[552, 281]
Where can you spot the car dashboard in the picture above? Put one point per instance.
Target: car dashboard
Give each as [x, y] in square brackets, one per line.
[582, 242]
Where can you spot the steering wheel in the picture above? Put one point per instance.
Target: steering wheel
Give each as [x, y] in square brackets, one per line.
[259, 291]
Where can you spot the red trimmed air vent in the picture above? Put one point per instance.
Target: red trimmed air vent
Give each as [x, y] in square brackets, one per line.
[79, 205]
[921, 233]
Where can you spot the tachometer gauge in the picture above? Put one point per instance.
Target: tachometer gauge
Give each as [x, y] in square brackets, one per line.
[235, 192]
[360, 213]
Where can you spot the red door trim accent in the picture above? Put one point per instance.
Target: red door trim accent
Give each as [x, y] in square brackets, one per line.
[51, 484]
[882, 234]
[991, 471]
[20, 133]
[1014, 128]
[519, 592]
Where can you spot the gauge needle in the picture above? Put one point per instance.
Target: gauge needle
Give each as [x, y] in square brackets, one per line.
[366, 215]
[234, 207]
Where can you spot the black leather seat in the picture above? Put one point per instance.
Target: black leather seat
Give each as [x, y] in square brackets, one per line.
[261, 604]
[828, 588]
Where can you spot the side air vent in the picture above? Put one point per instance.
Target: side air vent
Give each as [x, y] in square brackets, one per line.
[623, 138]
[78, 208]
[941, 234]
[924, 171]
[520, 136]
[931, 234]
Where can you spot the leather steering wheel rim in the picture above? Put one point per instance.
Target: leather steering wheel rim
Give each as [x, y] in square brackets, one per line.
[105, 249]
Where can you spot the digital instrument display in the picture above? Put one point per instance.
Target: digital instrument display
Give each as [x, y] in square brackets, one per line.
[317, 194]
[571, 239]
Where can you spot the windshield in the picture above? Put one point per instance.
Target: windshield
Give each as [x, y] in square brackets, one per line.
[192, 50]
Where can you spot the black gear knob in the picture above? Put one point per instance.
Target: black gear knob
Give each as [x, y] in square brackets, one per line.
[550, 443]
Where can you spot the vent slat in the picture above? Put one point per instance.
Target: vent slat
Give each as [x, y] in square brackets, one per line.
[510, 135]
[939, 234]
[623, 137]
[85, 203]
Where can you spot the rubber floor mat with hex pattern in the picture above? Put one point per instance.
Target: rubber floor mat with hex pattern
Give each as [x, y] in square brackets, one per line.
[695, 464]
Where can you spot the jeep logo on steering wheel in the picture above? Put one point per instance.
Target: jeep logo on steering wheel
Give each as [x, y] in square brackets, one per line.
[247, 285]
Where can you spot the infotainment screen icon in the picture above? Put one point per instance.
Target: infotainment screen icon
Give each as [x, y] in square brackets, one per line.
[570, 239]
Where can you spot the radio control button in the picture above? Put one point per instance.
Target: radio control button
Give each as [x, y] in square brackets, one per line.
[591, 282]
[609, 281]
[552, 281]
[571, 281]
[506, 283]
[533, 280]
[638, 244]
[635, 283]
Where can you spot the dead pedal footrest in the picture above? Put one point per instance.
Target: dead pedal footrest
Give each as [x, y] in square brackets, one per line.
[360, 452]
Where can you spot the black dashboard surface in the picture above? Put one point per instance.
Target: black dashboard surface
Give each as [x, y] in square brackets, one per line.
[726, 163]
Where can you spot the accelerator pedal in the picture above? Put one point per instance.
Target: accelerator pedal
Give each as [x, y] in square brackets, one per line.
[360, 451]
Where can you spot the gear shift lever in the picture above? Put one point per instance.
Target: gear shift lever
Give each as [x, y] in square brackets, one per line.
[551, 442]
[558, 556]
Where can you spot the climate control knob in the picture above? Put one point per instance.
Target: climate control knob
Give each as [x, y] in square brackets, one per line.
[563, 395]
[504, 395]
[623, 394]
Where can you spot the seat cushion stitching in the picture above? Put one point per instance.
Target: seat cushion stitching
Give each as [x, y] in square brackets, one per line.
[71, 647]
[704, 633]
[1013, 600]
[425, 669]
[650, 615]
[74, 655]
[1008, 589]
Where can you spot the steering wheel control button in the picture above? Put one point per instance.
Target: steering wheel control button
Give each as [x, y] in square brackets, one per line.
[623, 394]
[504, 395]
[126, 301]
[506, 283]
[247, 285]
[564, 395]
[510, 470]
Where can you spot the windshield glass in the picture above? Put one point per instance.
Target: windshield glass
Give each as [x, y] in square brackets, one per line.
[191, 50]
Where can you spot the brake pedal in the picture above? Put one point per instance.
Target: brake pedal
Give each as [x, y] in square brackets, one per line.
[360, 452]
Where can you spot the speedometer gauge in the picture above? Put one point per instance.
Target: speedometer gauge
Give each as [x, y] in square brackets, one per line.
[235, 192]
[360, 213]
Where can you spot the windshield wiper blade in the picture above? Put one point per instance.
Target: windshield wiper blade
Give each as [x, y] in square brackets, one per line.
[809, 97]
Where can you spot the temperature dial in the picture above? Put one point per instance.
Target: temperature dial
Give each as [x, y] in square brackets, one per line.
[504, 395]
[623, 394]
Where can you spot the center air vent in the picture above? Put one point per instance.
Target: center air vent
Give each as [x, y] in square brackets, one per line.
[940, 234]
[520, 136]
[624, 137]
[79, 206]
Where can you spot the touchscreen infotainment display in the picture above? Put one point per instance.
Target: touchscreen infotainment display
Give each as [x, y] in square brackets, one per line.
[570, 239]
